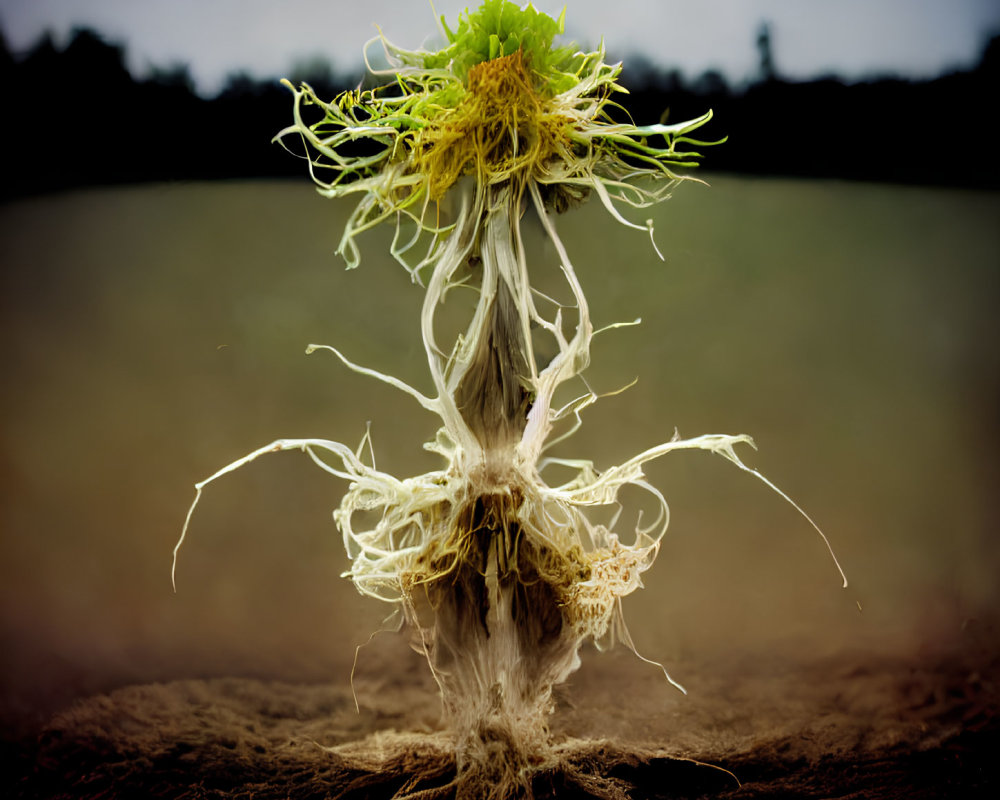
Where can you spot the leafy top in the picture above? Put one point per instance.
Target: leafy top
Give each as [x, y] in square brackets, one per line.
[500, 28]
[500, 104]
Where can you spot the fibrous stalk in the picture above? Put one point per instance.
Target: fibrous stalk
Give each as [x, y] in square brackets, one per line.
[500, 576]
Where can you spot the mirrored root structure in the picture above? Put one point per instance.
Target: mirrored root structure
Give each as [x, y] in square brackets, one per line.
[499, 574]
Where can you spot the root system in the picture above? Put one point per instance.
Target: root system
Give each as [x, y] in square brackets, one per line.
[500, 576]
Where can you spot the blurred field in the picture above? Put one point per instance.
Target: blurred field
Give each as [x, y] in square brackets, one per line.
[154, 334]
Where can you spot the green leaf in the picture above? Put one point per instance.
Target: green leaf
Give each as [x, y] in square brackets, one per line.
[451, 36]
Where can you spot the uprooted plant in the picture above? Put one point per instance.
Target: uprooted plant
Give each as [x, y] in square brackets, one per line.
[500, 576]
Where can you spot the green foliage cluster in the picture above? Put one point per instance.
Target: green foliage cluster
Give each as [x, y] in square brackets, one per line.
[500, 28]
[501, 102]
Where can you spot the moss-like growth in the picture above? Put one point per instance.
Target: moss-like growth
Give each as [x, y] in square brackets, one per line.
[499, 104]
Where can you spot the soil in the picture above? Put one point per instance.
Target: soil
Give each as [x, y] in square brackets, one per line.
[847, 726]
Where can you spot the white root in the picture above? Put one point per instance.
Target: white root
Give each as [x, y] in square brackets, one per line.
[500, 576]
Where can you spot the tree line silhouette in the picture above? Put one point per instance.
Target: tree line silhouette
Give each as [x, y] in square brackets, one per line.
[80, 118]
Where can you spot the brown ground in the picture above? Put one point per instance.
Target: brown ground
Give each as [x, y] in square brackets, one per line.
[924, 726]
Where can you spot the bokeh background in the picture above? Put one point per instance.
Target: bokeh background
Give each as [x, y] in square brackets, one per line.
[154, 331]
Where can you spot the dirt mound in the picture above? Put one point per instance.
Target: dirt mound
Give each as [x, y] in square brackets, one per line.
[848, 727]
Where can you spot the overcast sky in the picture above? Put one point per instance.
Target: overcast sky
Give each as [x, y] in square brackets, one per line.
[853, 38]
